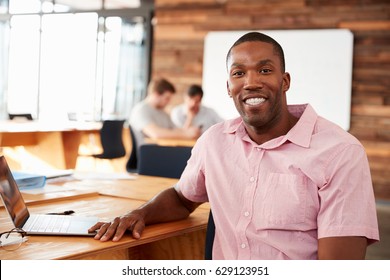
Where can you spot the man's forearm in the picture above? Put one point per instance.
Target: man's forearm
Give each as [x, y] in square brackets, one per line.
[164, 207]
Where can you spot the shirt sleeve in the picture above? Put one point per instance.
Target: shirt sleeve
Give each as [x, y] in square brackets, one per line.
[140, 117]
[347, 198]
[192, 181]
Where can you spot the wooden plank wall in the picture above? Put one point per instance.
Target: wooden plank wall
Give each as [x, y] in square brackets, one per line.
[181, 25]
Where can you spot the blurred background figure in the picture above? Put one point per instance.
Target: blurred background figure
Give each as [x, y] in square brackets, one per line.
[192, 113]
[149, 118]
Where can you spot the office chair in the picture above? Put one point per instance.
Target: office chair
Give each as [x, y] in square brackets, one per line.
[210, 234]
[24, 116]
[170, 161]
[132, 162]
[163, 161]
[111, 140]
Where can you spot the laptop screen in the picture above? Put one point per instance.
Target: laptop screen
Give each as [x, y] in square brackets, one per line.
[11, 196]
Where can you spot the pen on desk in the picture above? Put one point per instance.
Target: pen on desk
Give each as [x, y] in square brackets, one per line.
[69, 212]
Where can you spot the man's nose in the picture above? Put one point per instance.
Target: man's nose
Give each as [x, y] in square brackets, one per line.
[253, 80]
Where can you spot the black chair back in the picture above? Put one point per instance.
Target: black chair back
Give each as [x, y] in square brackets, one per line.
[23, 116]
[132, 162]
[210, 233]
[111, 139]
[163, 161]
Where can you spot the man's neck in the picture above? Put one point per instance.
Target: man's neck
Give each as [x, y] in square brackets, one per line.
[261, 135]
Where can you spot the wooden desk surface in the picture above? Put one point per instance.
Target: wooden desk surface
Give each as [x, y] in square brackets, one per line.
[56, 144]
[141, 188]
[9, 126]
[175, 240]
[106, 208]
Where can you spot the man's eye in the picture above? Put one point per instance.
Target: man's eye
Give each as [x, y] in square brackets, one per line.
[237, 73]
[266, 71]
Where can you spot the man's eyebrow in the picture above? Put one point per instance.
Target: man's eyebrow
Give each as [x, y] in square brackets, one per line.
[265, 62]
[261, 63]
[236, 64]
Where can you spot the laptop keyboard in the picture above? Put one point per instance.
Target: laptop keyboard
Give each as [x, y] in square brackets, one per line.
[48, 223]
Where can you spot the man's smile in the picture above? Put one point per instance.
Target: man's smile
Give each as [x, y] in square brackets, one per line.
[253, 101]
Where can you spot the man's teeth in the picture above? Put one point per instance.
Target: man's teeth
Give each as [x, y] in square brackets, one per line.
[254, 101]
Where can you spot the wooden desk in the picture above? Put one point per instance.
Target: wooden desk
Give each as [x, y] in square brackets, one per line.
[142, 188]
[172, 142]
[175, 240]
[57, 144]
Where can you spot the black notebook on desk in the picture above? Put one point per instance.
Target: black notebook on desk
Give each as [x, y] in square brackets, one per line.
[38, 224]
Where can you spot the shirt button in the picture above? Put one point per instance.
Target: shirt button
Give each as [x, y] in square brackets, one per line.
[246, 214]
[252, 179]
[243, 245]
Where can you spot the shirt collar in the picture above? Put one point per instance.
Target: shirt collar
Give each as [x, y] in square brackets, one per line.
[300, 134]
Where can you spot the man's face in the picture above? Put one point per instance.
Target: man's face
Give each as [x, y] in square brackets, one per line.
[193, 103]
[256, 84]
[164, 99]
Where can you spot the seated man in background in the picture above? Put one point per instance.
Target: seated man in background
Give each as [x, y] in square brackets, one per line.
[193, 113]
[149, 119]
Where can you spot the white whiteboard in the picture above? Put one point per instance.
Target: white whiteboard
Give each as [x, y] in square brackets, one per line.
[319, 63]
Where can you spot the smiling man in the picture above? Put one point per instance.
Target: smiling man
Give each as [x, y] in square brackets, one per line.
[282, 182]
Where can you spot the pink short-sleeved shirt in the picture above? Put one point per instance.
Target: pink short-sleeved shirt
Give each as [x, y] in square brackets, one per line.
[275, 200]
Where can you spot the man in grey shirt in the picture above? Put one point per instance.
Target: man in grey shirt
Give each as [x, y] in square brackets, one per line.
[193, 113]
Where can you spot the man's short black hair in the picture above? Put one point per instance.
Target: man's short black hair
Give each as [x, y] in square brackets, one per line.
[260, 37]
[195, 90]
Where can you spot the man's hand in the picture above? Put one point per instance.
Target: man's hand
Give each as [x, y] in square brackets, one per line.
[192, 132]
[168, 205]
[114, 230]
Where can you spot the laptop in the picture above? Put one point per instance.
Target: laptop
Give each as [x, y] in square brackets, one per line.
[38, 224]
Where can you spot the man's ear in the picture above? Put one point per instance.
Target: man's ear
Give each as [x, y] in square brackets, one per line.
[228, 89]
[286, 81]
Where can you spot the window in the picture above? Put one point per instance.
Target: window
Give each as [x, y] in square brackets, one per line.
[91, 64]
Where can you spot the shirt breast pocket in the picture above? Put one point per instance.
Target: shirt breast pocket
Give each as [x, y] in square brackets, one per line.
[285, 199]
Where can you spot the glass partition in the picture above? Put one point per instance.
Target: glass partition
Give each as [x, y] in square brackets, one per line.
[86, 64]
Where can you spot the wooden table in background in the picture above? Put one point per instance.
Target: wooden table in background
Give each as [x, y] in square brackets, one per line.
[55, 143]
[172, 142]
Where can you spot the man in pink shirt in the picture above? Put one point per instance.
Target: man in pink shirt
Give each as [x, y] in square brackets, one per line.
[282, 182]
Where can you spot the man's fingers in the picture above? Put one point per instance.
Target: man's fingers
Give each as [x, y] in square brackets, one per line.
[102, 230]
[123, 225]
[110, 229]
[138, 229]
[95, 227]
[116, 229]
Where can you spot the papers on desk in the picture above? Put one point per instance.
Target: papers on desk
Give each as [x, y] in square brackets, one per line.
[103, 176]
[48, 188]
[26, 180]
[56, 173]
